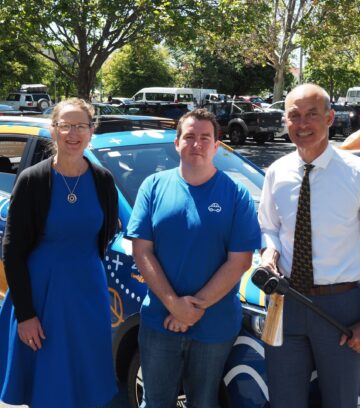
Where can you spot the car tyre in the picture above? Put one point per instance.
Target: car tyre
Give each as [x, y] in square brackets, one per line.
[287, 138]
[43, 104]
[134, 381]
[237, 135]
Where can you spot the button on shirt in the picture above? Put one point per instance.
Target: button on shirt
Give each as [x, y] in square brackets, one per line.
[335, 213]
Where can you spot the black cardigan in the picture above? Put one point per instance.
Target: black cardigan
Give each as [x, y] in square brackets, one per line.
[29, 206]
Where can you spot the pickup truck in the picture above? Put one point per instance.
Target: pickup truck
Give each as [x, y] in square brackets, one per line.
[239, 120]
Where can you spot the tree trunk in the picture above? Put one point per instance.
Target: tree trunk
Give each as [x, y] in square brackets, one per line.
[84, 84]
[278, 83]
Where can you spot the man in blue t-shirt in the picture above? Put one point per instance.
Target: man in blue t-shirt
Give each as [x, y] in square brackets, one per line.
[194, 230]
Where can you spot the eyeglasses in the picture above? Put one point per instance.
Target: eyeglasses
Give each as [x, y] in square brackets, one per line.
[80, 128]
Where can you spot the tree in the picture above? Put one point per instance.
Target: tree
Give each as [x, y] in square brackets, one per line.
[79, 35]
[332, 41]
[205, 69]
[137, 66]
[18, 66]
[272, 40]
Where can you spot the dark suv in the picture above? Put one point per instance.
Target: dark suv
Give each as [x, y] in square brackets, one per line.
[169, 110]
[354, 112]
[342, 121]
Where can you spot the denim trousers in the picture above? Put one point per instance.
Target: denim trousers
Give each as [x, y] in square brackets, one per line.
[171, 362]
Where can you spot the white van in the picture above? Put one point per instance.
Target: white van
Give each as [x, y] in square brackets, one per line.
[163, 94]
[353, 96]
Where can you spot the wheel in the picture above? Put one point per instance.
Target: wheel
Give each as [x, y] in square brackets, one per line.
[261, 138]
[332, 133]
[237, 135]
[43, 104]
[135, 384]
[287, 138]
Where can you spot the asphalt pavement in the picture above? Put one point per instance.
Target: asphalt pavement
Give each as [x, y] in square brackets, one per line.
[264, 155]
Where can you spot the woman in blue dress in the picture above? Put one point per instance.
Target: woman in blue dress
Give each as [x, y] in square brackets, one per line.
[55, 330]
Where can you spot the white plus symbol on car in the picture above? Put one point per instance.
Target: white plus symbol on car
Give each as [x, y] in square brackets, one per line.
[114, 140]
[117, 262]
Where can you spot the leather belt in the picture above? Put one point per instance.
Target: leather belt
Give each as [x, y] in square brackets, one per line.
[321, 290]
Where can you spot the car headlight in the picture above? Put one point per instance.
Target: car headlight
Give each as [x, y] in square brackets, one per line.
[254, 319]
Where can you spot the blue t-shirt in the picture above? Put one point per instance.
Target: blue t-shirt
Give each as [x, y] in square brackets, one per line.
[193, 228]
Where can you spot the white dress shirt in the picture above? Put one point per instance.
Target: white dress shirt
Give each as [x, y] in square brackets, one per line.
[335, 213]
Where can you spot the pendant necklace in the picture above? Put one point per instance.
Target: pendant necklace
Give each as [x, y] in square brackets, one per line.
[72, 198]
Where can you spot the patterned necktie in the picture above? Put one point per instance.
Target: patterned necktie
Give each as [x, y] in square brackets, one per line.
[302, 268]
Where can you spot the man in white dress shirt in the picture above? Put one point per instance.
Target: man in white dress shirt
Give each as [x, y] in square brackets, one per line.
[309, 341]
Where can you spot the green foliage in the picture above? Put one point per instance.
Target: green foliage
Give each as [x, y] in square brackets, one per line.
[135, 67]
[207, 70]
[79, 35]
[18, 66]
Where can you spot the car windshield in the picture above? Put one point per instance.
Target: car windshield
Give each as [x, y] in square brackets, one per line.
[130, 165]
[243, 107]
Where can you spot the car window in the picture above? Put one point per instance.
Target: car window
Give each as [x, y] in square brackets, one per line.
[37, 97]
[13, 97]
[163, 96]
[243, 107]
[185, 97]
[131, 165]
[11, 152]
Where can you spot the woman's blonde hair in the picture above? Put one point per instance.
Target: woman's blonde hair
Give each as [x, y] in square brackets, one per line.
[77, 102]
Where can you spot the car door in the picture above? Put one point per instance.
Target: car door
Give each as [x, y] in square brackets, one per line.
[17, 152]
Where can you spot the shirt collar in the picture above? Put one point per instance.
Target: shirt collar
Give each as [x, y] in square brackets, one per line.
[322, 161]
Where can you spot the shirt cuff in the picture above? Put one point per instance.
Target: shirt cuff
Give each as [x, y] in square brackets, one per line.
[270, 241]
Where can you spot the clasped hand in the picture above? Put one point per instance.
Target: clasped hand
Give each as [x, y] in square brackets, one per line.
[184, 312]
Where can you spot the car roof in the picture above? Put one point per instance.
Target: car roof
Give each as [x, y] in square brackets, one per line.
[131, 138]
[26, 121]
[41, 127]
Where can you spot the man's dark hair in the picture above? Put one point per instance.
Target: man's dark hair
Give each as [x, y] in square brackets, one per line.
[199, 114]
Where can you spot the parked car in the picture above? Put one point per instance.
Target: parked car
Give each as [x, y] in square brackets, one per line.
[100, 109]
[8, 110]
[354, 113]
[276, 106]
[29, 97]
[121, 101]
[342, 121]
[168, 110]
[131, 155]
[239, 120]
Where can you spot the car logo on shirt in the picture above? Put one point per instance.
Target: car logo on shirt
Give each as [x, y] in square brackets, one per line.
[214, 207]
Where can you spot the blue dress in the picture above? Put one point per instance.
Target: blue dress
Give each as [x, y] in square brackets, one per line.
[74, 368]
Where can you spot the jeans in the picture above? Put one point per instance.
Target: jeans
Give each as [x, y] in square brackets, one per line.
[169, 362]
